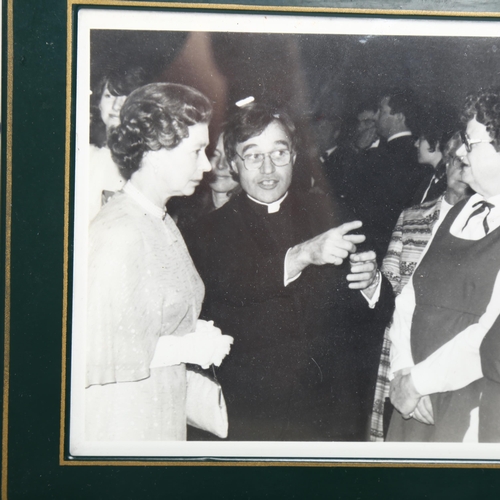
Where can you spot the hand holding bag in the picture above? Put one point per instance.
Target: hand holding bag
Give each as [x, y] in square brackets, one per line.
[205, 404]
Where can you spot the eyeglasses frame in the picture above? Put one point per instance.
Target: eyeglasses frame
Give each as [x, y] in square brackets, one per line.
[264, 159]
[468, 143]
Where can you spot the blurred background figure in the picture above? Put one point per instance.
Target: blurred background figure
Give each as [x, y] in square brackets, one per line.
[221, 180]
[326, 131]
[388, 186]
[216, 189]
[366, 135]
[436, 128]
[359, 142]
[106, 102]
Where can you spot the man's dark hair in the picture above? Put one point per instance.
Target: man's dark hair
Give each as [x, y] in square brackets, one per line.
[250, 121]
[404, 101]
[368, 104]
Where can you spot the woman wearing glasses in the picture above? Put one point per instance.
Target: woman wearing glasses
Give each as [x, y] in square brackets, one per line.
[275, 263]
[453, 300]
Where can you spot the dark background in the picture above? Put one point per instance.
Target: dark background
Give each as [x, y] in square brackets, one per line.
[310, 76]
[308, 73]
[31, 454]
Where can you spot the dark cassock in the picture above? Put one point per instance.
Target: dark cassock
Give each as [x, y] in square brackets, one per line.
[305, 356]
[489, 405]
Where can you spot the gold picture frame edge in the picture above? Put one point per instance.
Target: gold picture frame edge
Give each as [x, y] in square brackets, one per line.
[69, 69]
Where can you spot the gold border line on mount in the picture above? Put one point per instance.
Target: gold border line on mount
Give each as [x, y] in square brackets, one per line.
[8, 243]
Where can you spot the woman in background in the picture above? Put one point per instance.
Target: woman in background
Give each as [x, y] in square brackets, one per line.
[107, 99]
[215, 191]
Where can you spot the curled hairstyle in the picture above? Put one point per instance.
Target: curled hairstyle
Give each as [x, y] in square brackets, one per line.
[252, 120]
[484, 105]
[119, 82]
[153, 117]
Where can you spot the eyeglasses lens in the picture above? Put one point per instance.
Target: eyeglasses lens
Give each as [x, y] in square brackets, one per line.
[279, 158]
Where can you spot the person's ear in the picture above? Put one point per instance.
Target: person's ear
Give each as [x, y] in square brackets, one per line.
[294, 156]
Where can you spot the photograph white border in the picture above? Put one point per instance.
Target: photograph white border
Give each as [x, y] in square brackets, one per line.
[167, 20]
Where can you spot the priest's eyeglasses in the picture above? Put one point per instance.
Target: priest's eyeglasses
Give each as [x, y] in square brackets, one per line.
[468, 143]
[279, 158]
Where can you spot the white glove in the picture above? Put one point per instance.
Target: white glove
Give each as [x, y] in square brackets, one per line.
[204, 347]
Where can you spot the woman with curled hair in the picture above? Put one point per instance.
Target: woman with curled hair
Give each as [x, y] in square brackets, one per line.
[144, 294]
[106, 101]
[452, 300]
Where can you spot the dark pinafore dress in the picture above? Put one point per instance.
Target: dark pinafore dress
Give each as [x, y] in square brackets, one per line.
[489, 407]
[453, 286]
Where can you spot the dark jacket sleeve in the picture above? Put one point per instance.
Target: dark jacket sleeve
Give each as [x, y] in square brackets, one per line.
[386, 302]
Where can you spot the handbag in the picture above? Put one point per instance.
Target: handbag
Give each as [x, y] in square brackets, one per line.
[205, 404]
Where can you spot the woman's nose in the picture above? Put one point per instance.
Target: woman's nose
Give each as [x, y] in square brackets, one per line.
[206, 166]
[221, 164]
[118, 102]
[215, 162]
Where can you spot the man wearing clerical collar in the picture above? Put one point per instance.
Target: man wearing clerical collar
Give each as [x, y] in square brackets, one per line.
[264, 164]
[285, 277]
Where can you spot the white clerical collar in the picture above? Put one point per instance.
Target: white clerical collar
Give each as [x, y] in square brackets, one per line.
[399, 134]
[273, 207]
[144, 202]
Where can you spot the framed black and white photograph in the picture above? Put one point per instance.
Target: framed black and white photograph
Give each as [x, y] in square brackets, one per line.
[251, 251]
[367, 112]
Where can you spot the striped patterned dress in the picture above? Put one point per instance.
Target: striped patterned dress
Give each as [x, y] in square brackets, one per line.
[411, 234]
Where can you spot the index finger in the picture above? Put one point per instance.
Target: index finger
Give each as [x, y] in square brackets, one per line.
[354, 238]
[349, 226]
